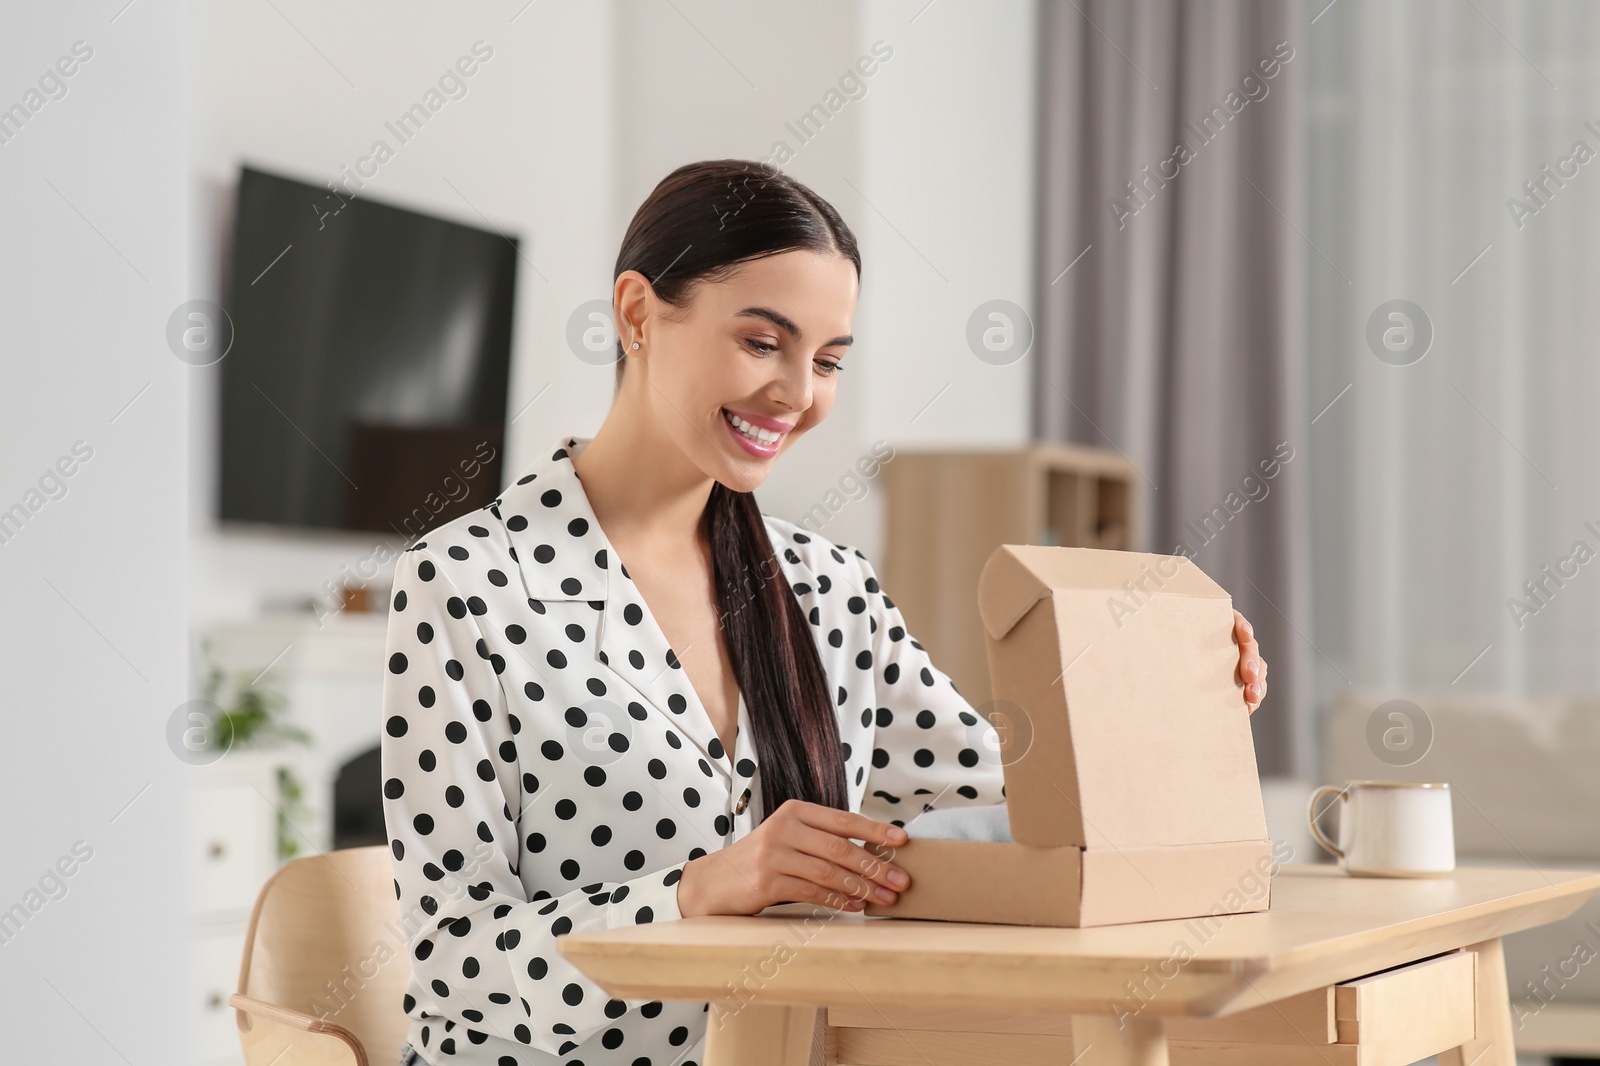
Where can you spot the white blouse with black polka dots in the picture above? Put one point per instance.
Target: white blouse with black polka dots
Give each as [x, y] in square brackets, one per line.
[548, 766]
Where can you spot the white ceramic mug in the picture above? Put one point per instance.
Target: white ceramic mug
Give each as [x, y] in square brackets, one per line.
[1390, 828]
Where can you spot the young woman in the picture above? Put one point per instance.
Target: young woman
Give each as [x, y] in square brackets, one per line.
[622, 694]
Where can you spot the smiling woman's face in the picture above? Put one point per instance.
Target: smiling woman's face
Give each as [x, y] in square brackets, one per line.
[736, 377]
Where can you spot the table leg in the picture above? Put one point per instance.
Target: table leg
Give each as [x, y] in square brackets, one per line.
[772, 1034]
[1494, 1045]
[1097, 1041]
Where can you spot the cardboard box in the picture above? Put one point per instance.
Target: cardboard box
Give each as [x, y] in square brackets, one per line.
[1130, 770]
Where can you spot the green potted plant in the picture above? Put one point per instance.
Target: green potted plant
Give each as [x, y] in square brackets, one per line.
[249, 717]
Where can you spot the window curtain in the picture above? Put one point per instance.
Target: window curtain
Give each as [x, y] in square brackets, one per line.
[1455, 163]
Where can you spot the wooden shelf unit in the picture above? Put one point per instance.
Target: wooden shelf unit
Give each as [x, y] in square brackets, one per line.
[949, 510]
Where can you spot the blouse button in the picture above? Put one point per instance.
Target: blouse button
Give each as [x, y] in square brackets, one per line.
[744, 801]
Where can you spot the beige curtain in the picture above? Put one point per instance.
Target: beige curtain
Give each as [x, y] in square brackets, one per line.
[1171, 286]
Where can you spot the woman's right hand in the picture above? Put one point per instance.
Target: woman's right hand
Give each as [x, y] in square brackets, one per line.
[800, 853]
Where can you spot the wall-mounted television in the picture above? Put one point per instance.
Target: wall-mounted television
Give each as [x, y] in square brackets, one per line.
[367, 382]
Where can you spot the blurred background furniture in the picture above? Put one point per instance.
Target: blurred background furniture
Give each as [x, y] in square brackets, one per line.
[947, 511]
[1523, 774]
[252, 810]
[230, 849]
[331, 674]
[325, 964]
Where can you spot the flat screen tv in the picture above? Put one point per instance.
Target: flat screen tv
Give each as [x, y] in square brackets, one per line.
[366, 385]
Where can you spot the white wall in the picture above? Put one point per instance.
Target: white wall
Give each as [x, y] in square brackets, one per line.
[946, 211]
[92, 653]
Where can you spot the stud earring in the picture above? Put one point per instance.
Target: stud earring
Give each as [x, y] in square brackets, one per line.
[635, 345]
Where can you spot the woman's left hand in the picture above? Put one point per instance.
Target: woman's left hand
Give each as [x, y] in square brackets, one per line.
[1252, 667]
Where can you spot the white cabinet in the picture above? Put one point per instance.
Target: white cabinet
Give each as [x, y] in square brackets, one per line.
[230, 850]
[213, 977]
[231, 845]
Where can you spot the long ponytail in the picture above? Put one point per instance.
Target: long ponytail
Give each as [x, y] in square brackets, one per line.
[699, 224]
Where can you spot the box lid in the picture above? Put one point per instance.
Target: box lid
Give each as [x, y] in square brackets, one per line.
[1122, 723]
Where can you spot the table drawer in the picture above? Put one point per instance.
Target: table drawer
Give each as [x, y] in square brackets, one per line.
[1412, 1012]
[1390, 1018]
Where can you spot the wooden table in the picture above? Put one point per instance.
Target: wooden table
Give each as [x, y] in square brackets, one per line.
[1298, 983]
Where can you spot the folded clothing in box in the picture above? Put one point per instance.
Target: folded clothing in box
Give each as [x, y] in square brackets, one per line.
[1131, 786]
[987, 823]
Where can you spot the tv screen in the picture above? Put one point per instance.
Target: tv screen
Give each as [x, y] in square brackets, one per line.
[366, 385]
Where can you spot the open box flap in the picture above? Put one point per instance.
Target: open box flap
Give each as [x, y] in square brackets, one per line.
[1017, 576]
[1125, 726]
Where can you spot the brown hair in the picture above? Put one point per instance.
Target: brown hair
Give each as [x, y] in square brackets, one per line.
[700, 224]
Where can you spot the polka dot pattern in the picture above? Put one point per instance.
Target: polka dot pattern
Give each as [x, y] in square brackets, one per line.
[549, 769]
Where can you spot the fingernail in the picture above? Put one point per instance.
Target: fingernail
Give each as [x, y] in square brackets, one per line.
[899, 878]
[883, 894]
[1253, 666]
[897, 834]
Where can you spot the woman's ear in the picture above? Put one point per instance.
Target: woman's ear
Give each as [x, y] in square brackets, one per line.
[631, 301]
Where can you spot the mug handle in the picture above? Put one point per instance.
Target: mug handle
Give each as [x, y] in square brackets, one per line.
[1316, 830]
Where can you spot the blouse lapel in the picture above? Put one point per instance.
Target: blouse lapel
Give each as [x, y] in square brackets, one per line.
[564, 555]
[559, 546]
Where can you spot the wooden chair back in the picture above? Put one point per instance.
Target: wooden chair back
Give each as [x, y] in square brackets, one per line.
[325, 964]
